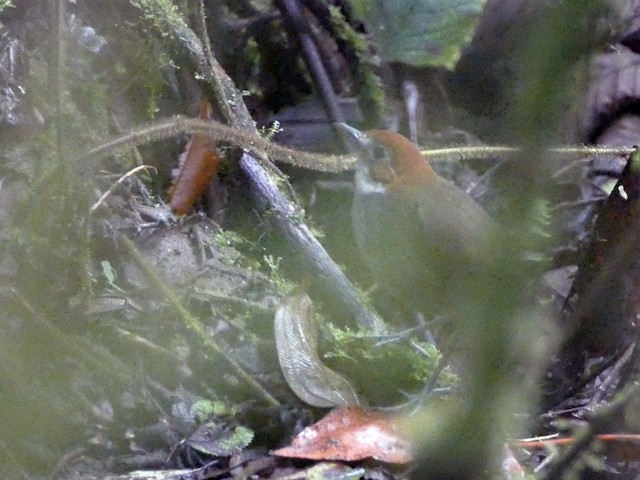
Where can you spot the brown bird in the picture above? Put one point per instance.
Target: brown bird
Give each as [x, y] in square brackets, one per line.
[422, 237]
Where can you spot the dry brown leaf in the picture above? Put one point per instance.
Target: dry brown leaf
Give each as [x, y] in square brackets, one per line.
[349, 434]
[199, 165]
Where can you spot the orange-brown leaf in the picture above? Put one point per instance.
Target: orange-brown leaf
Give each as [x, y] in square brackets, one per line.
[197, 169]
[349, 434]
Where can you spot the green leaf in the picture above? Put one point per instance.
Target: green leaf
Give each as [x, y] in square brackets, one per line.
[108, 271]
[420, 32]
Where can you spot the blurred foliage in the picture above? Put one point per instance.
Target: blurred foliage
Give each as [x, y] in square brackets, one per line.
[420, 32]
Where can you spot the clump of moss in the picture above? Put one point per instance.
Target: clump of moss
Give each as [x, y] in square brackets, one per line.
[384, 372]
[162, 14]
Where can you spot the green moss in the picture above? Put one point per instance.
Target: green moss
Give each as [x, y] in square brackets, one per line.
[204, 409]
[383, 370]
[162, 14]
[239, 439]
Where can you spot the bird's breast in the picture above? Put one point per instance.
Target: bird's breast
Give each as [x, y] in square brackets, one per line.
[388, 238]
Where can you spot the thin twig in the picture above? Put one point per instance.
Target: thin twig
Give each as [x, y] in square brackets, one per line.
[490, 151]
[599, 421]
[110, 190]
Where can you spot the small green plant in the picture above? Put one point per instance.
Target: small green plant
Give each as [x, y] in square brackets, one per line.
[273, 264]
[272, 131]
[110, 275]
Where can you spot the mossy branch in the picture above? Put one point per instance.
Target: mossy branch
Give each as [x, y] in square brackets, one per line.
[217, 132]
[492, 151]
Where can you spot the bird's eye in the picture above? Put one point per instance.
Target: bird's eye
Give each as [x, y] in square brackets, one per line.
[379, 154]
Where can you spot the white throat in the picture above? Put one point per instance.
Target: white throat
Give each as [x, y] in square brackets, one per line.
[364, 182]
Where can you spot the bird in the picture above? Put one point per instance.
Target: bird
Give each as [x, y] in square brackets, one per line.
[422, 237]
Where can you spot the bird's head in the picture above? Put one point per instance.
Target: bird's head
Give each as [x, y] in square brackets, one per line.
[386, 158]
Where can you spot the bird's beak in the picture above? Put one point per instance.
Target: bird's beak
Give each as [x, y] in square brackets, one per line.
[353, 137]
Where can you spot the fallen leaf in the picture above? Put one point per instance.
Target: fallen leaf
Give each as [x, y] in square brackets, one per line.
[296, 334]
[198, 166]
[348, 434]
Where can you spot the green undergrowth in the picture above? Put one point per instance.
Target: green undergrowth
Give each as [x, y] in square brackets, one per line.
[385, 370]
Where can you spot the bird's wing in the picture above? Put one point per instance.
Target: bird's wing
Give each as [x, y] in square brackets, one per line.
[456, 220]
